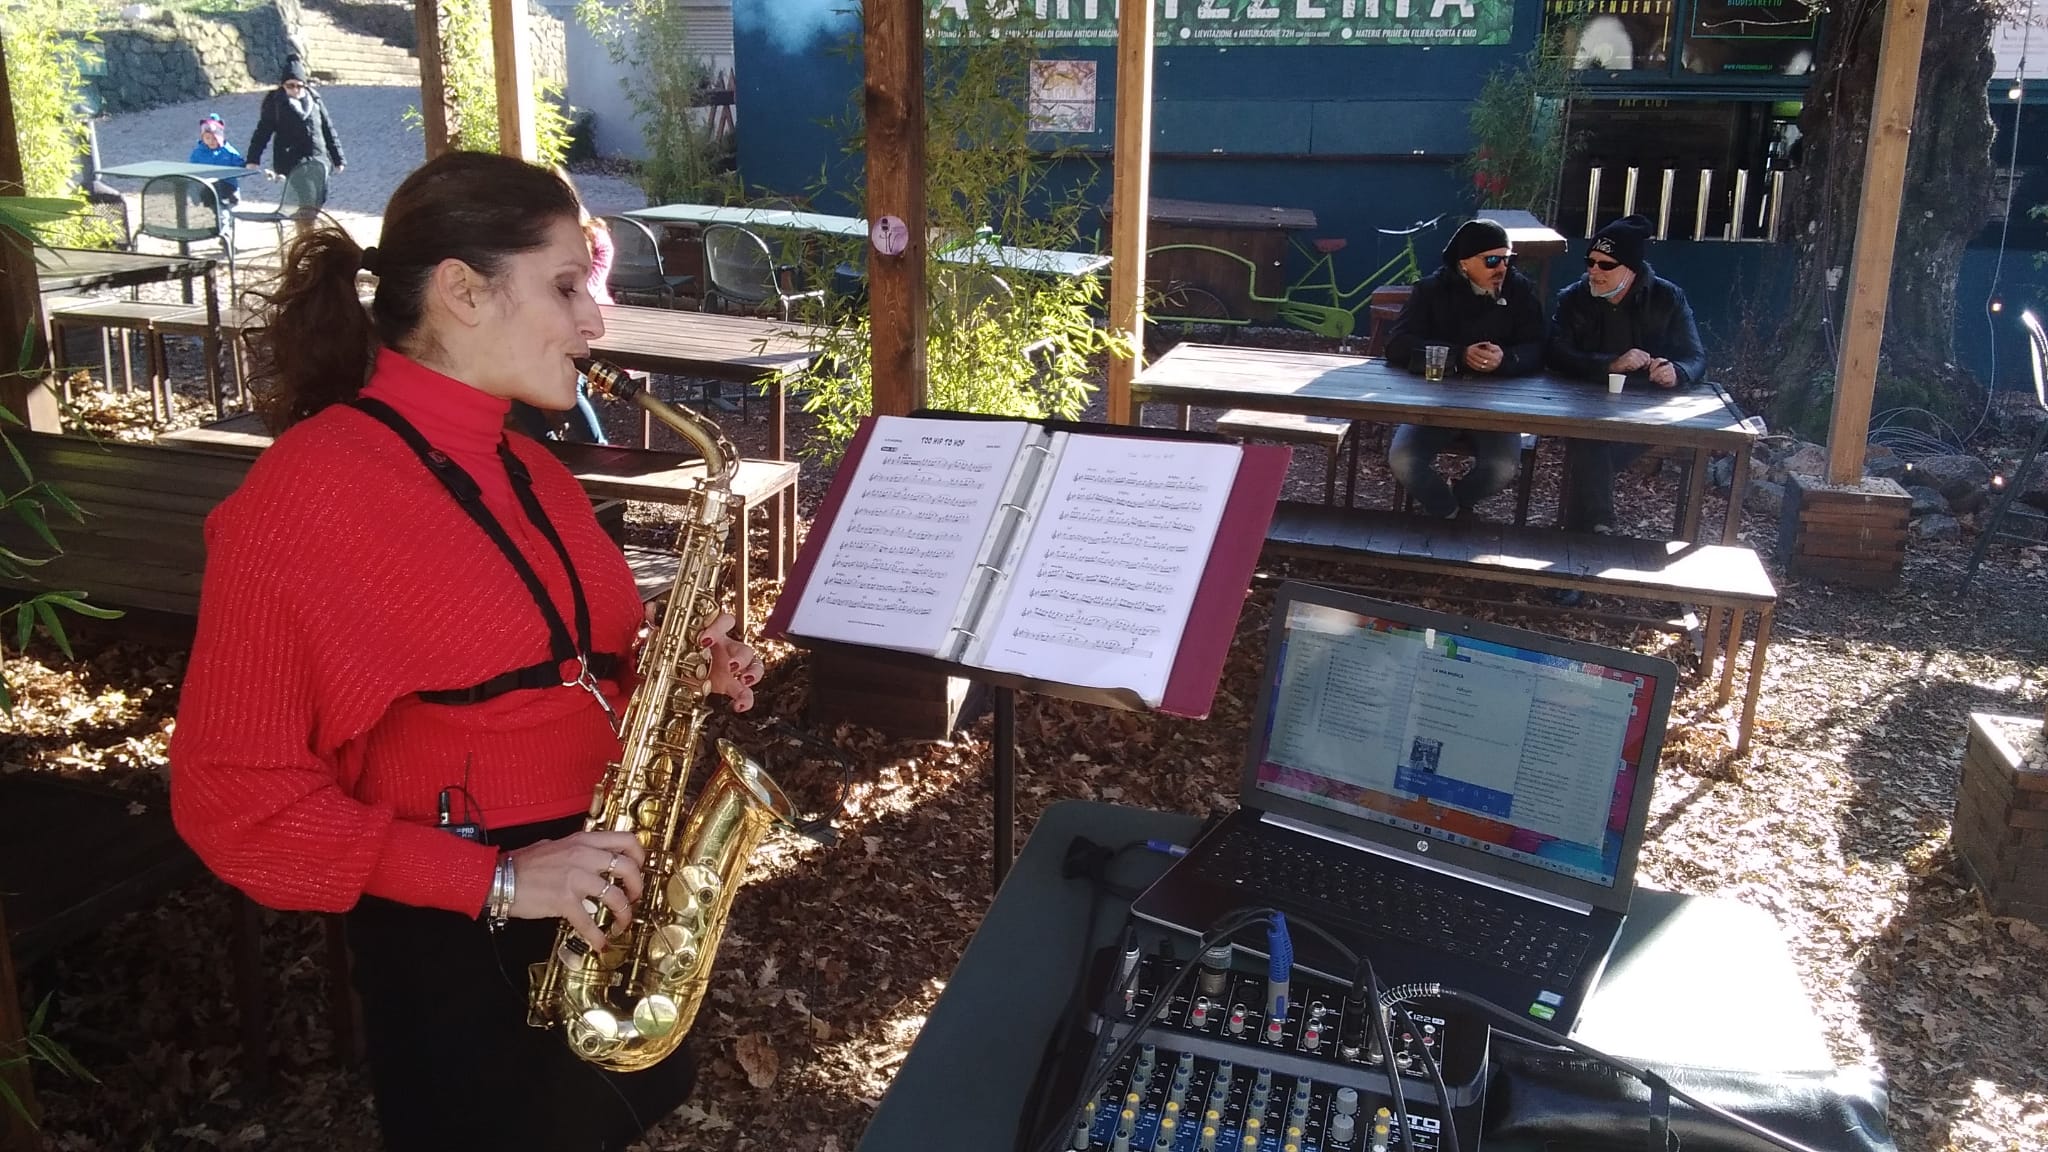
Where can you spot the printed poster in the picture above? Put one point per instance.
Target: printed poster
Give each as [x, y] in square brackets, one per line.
[1223, 23]
[1063, 95]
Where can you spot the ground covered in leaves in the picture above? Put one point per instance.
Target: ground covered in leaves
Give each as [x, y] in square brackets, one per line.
[1837, 824]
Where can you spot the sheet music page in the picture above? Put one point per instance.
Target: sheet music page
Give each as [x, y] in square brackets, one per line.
[1113, 561]
[915, 515]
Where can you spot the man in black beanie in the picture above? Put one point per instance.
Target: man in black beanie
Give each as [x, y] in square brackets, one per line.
[295, 115]
[1490, 317]
[1622, 318]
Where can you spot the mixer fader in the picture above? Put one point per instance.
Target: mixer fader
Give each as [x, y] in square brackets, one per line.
[1240, 1062]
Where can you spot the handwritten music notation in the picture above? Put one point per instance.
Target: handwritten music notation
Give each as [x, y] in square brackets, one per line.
[1099, 577]
[942, 499]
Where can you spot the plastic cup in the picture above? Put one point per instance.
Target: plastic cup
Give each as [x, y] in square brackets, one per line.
[1436, 359]
[1615, 380]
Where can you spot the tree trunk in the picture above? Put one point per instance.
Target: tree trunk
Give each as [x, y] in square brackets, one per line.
[1947, 201]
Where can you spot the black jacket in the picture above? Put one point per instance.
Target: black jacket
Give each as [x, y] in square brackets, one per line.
[1587, 333]
[1443, 309]
[298, 137]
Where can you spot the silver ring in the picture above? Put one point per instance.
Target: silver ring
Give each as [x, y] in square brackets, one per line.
[606, 890]
[613, 867]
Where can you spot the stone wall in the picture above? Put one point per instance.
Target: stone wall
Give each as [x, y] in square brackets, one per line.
[177, 57]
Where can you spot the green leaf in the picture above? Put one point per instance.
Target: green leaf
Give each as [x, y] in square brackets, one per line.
[31, 513]
[74, 602]
[35, 1020]
[60, 1058]
[7, 1095]
[54, 625]
[24, 626]
[20, 461]
[8, 417]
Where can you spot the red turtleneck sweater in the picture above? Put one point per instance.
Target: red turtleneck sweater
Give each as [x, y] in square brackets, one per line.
[341, 580]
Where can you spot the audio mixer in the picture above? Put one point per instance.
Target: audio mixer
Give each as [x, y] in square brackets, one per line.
[1272, 1061]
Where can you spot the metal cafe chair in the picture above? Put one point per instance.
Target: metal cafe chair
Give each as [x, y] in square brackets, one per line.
[185, 211]
[739, 268]
[300, 201]
[637, 267]
[2037, 355]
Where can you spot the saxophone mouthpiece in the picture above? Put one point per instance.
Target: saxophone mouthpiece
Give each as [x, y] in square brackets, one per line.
[605, 378]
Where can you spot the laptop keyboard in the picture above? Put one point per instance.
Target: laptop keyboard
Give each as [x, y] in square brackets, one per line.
[1396, 903]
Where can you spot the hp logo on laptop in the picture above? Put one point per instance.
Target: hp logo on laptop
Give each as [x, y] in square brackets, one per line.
[1422, 845]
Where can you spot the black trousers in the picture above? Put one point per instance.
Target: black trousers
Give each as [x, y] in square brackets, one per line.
[452, 1060]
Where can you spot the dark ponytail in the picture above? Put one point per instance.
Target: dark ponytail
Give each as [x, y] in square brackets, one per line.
[317, 343]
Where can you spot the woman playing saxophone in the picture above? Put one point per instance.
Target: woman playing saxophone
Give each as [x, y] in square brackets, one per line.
[413, 638]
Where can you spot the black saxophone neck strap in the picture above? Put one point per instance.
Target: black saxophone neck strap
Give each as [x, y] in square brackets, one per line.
[570, 659]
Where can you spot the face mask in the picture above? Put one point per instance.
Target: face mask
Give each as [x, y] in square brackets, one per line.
[1620, 286]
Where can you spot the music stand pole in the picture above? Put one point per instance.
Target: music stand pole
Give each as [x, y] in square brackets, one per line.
[1005, 701]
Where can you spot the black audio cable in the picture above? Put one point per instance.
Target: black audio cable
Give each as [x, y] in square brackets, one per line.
[1366, 989]
[1436, 1077]
[1657, 1084]
[1229, 925]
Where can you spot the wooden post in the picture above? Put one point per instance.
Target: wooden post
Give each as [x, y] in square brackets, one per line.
[894, 42]
[512, 66]
[1131, 192]
[1877, 234]
[426, 28]
[29, 397]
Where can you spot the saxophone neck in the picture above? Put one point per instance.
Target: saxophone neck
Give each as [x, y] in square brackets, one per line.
[611, 382]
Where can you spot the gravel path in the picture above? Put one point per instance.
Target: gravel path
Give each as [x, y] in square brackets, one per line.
[380, 145]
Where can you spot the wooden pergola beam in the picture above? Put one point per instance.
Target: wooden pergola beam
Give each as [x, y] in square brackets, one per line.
[29, 397]
[893, 32]
[1131, 192]
[1877, 235]
[426, 27]
[512, 70]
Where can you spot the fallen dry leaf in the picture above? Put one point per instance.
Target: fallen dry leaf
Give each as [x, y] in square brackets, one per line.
[756, 1054]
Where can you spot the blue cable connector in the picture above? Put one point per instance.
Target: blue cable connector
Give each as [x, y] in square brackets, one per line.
[1279, 966]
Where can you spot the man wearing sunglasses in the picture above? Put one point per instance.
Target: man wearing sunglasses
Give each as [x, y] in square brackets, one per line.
[1621, 318]
[1491, 318]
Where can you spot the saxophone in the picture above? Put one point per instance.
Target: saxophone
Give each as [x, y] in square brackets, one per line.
[629, 1006]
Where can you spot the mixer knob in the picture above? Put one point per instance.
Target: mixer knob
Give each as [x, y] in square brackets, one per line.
[1224, 1071]
[1146, 1054]
[1342, 1129]
[1273, 1029]
[1347, 1101]
[1125, 1123]
[1265, 1081]
[1298, 1114]
[1164, 1141]
[1083, 1135]
[1185, 1066]
[1208, 1143]
[1301, 1090]
[1237, 1020]
[1250, 1140]
[1198, 1016]
[1312, 1036]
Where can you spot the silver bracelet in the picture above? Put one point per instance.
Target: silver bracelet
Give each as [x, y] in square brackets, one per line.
[504, 883]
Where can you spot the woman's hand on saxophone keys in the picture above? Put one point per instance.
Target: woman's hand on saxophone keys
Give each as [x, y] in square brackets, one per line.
[735, 669]
[568, 878]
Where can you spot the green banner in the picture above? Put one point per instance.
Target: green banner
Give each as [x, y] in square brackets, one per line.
[1222, 23]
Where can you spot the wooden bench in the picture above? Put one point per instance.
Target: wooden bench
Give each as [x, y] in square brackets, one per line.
[1728, 579]
[1325, 432]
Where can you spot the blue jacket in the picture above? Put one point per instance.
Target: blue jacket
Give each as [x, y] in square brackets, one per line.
[226, 156]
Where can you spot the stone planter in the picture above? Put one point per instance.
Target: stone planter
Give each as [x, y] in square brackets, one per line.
[2001, 822]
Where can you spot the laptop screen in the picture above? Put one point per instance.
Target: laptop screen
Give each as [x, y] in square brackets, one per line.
[1526, 755]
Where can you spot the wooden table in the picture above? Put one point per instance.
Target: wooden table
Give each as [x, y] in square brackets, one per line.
[605, 472]
[821, 223]
[1702, 419]
[85, 269]
[736, 348]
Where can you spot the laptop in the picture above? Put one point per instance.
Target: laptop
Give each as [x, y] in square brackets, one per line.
[1461, 802]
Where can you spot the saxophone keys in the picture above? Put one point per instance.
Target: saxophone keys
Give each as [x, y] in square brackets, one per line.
[655, 1016]
[672, 948]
